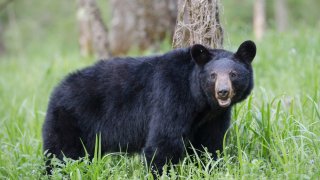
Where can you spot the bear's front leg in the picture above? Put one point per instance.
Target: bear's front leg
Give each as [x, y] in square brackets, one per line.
[210, 135]
[170, 122]
[163, 148]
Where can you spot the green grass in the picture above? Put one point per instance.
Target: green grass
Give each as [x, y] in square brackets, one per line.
[274, 134]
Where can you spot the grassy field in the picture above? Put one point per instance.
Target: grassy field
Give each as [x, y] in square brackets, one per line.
[275, 134]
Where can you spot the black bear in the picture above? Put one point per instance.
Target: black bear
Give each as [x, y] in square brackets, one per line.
[152, 105]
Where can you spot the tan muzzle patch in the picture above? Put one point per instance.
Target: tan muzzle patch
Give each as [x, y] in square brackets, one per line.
[223, 90]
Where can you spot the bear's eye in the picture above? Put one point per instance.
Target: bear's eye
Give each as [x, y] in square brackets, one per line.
[213, 76]
[233, 74]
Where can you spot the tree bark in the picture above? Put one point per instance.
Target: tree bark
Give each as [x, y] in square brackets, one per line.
[140, 23]
[93, 34]
[281, 15]
[198, 22]
[2, 46]
[259, 18]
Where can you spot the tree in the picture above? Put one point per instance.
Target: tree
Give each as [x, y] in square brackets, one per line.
[198, 22]
[3, 5]
[2, 47]
[140, 23]
[93, 34]
[259, 18]
[281, 15]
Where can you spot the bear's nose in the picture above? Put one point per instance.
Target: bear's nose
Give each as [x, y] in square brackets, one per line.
[223, 93]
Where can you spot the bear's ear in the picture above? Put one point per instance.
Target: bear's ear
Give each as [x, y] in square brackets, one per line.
[200, 54]
[246, 52]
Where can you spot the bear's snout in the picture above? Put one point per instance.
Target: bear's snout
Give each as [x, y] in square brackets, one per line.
[223, 90]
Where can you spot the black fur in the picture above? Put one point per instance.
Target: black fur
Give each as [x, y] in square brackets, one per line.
[145, 104]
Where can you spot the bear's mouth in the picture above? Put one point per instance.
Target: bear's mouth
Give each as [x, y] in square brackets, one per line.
[224, 102]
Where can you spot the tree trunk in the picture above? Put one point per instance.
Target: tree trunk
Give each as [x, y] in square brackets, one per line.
[140, 23]
[198, 22]
[93, 35]
[2, 47]
[3, 6]
[281, 15]
[259, 18]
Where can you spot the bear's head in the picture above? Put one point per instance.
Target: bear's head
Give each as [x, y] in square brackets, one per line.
[225, 77]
